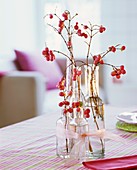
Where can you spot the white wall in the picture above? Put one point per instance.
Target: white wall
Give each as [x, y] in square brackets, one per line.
[120, 19]
[17, 25]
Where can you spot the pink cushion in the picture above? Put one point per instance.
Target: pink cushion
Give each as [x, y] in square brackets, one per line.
[34, 61]
[3, 73]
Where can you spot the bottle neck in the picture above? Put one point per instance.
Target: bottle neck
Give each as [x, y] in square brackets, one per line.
[66, 117]
[92, 80]
[69, 75]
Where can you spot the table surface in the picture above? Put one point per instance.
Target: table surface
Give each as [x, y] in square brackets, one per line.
[30, 145]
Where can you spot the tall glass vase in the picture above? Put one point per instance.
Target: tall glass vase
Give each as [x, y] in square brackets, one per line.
[79, 124]
[96, 106]
[63, 140]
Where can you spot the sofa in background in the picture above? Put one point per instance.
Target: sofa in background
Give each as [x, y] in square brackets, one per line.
[27, 86]
[21, 94]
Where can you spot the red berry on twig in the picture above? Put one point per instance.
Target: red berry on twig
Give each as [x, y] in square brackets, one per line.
[50, 16]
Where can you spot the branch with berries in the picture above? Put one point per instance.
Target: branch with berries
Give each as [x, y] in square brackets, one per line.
[67, 28]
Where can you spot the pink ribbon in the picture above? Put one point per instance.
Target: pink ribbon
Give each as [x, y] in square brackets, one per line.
[78, 151]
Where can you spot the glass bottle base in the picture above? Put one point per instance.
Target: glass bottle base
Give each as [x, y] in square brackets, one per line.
[63, 156]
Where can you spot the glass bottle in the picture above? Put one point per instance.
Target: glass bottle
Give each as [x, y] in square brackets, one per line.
[96, 106]
[80, 126]
[63, 141]
[78, 123]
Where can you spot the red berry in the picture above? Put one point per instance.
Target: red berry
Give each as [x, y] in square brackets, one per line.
[74, 78]
[65, 15]
[101, 61]
[121, 67]
[73, 105]
[48, 58]
[85, 26]
[102, 29]
[44, 52]
[77, 104]
[94, 57]
[66, 103]
[61, 94]
[50, 16]
[76, 27]
[78, 109]
[61, 104]
[99, 57]
[69, 44]
[118, 76]
[85, 35]
[123, 71]
[65, 111]
[88, 110]
[123, 48]
[61, 23]
[113, 73]
[70, 110]
[79, 32]
[87, 115]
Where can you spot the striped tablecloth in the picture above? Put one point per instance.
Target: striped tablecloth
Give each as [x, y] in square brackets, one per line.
[30, 145]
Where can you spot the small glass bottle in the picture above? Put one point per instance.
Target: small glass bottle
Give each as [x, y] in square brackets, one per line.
[80, 126]
[63, 142]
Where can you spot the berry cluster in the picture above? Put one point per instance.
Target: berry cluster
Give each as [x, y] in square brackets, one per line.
[61, 26]
[98, 59]
[66, 110]
[61, 22]
[113, 49]
[65, 103]
[48, 54]
[87, 113]
[65, 15]
[79, 32]
[118, 71]
[61, 84]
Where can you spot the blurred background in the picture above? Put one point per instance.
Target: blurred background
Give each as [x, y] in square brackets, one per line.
[23, 27]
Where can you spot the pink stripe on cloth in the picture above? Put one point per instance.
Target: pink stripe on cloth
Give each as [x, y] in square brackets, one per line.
[31, 145]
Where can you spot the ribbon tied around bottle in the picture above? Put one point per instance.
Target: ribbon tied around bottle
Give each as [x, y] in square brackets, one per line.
[78, 150]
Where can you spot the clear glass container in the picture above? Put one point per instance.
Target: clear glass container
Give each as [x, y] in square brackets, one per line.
[79, 125]
[63, 141]
[96, 106]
